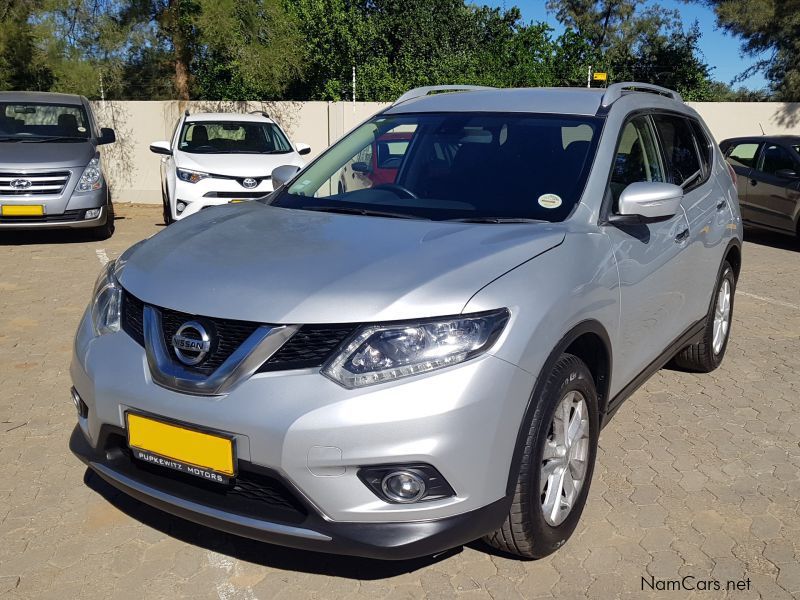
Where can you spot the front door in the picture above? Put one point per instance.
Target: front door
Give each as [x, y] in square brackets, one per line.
[653, 283]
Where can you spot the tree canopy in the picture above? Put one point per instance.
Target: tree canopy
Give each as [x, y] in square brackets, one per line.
[306, 49]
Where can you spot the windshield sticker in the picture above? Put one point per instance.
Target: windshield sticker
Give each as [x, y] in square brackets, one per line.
[549, 201]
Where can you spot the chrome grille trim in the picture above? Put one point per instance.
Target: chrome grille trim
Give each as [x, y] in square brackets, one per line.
[50, 183]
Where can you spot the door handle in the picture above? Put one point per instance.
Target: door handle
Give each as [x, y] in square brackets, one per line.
[753, 182]
[682, 236]
[721, 204]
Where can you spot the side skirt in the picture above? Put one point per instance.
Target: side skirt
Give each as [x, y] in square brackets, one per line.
[690, 336]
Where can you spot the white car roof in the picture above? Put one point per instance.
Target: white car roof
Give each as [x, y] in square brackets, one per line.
[234, 117]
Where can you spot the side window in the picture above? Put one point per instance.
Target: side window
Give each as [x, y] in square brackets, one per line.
[773, 159]
[704, 145]
[637, 157]
[680, 150]
[744, 154]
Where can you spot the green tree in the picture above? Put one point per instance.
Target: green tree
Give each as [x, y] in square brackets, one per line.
[770, 32]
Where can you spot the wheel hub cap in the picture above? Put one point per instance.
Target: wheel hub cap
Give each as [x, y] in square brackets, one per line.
[566, 451]
[722, 316]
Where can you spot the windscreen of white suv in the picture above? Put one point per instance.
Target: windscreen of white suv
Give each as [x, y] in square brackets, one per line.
[227, 137]
[454, 166]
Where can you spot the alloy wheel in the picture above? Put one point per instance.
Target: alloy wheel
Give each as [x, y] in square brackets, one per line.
[722, 316]
[564, 460]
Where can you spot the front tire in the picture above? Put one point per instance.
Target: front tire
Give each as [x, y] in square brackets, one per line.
[707, 354]
[557, 464]
[167, 212]
[106, 230]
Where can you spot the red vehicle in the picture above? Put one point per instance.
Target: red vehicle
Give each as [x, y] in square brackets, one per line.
[376, 164]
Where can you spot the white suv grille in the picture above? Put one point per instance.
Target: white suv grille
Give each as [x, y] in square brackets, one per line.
[33, 184]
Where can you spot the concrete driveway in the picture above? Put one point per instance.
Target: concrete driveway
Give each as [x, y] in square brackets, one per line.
[698, 475]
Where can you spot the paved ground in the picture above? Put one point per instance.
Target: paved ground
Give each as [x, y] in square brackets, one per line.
[697, 475]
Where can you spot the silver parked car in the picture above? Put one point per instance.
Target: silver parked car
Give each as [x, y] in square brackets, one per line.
[405, 367]
[50, 171]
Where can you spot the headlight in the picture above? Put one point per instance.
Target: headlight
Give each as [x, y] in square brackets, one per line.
[191, 176]
[388, 352]
[106, 302]
[92, 178]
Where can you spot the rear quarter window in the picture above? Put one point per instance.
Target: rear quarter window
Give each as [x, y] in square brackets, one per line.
[743, 154]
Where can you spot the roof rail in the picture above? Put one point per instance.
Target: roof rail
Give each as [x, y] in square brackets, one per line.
[430, 89]
[259, 112]
[614, 91]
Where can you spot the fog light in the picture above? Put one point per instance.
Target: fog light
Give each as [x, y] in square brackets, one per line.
[93, 213]
[180, 206]
[80, 405]
[403, 486]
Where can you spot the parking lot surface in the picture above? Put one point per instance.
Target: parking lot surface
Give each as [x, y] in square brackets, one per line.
[698, 477]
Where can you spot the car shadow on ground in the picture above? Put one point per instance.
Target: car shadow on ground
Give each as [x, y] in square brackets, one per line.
[268, 555]
[779, 241]
[32, 237]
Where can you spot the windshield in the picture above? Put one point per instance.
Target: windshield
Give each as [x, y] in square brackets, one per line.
[34, 121]
[228, 137]
[460, 166]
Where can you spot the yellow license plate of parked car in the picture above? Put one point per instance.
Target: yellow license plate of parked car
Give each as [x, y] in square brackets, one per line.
[206, 455]
[24, 210]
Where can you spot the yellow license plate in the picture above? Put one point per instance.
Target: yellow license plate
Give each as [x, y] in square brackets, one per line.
[22, 210]
[205, 455]
[235, 201]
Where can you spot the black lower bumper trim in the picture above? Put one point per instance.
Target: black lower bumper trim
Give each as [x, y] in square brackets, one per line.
[390, 541]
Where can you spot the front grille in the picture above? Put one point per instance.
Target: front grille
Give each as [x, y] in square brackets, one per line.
[243, 195]
[227, 336]
[132, 317]
[310, 347]
[51, 184]
[67, 216]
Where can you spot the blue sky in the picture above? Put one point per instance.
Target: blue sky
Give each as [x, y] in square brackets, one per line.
[722, 52]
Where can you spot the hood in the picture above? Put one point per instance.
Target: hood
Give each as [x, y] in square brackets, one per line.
[255, 262]
[236, 165]
[45, 155]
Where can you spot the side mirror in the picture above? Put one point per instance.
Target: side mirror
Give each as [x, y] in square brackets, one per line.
[650, 201]
[161, 148]
[282, 174]
[360, 167]
[787, 174]
[303, 149]
[107, 136]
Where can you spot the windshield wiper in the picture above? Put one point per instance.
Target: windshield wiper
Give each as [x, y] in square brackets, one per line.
[368, 212]
[55, 138]
[495, 220]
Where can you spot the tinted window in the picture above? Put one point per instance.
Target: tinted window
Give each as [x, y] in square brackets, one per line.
[774, 158]
[744, 154]
[227, 137]
[456, 166]
[677, 140]
[637, 157]
[704, 145]
[31, 120]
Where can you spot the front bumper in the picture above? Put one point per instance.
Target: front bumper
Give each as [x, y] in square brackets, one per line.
[214, 191]
[315, 436]
[63, 212]
[395, 541]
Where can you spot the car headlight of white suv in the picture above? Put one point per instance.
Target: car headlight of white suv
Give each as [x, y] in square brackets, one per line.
[380, 353]
[190, 176]
[106, 302]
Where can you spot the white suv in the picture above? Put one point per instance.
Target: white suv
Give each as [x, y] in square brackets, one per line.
[217, 158]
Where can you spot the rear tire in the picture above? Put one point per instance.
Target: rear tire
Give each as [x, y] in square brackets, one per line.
[555, 474]
[707, 354]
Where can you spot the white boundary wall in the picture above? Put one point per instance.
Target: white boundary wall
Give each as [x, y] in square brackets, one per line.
[134, 171]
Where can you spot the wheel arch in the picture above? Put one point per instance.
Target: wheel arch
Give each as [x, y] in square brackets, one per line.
[589, 341]
[733, 254]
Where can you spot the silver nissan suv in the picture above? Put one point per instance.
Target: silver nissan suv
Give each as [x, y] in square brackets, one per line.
[398, 367]
[51, 175]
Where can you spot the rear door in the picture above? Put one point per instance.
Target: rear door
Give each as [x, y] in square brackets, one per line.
[742, 156]
[773, 187]
[689, 154]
